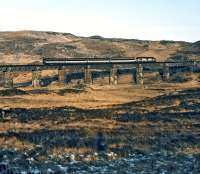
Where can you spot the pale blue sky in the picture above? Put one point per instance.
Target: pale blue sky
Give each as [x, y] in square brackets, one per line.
[137, 19]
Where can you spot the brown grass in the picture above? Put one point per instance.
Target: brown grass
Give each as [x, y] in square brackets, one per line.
[15, 143]
[61, 151]
[190, 150]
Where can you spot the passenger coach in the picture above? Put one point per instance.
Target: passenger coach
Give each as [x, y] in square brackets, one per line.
[96, 60]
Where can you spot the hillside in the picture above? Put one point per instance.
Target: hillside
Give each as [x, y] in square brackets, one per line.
[25, 47]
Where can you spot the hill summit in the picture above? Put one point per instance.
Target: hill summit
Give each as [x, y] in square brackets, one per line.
[24, 47]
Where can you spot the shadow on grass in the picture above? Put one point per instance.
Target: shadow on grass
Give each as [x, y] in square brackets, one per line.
[12, 92]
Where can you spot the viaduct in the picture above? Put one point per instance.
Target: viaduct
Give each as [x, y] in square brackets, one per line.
[86, 67]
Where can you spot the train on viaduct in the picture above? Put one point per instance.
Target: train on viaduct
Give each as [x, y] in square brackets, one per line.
[87, 65]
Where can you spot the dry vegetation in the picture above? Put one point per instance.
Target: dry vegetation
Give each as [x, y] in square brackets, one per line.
[27, 47]
[139, 114]
[53, 122]
[50, 124]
